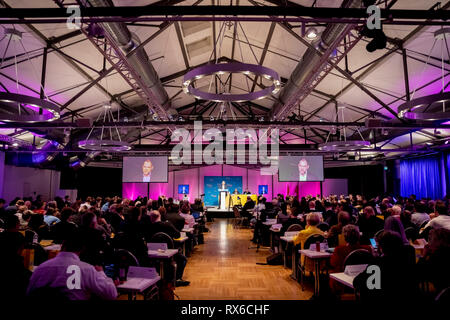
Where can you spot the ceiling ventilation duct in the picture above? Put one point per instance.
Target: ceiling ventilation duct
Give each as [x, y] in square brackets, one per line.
[139, 60]
[310, 59]
[142, 65]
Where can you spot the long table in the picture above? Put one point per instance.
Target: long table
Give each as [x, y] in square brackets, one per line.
[240, 199]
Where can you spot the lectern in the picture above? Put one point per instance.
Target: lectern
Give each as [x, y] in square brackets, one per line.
[222, 198]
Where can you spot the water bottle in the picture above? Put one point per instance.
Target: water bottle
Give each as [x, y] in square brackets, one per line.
[122, 274]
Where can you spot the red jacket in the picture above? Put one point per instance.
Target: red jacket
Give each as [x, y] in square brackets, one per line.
[341, 252]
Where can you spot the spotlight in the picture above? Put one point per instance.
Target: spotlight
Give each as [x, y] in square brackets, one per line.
[446, 142]
[180, 118]
[311, 33]
[261, 119]
[378, 42]
[333, 130]
[211, 118]
[15, 144]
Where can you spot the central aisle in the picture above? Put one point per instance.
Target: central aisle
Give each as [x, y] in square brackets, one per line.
[224, 268]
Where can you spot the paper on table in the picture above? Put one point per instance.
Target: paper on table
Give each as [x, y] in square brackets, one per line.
[139, 284]
[141, 272]
[354, 270]
[156, 246]
[323, 246]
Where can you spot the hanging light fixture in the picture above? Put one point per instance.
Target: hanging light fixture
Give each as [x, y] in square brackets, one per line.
[343, 145]
[217, 70]
[110, 139]
[432, 107]
[20, 108]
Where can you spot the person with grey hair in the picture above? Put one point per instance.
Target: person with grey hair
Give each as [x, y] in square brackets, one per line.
[312, 221]
[396, 211]
[351, 236]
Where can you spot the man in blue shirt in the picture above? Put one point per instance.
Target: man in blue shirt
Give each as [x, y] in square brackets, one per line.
[49, 217]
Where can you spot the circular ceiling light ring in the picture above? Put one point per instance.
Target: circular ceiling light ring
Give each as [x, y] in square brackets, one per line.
[343, 146]
[104, 145]
[410, 109]
[442, 34]
[51, 110]
[235, 67]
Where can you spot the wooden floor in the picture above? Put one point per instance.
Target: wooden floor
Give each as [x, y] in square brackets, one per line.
[224, 268]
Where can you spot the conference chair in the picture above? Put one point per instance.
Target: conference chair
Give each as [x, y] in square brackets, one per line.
[323, 226]
[40, 255]
[358, 256]
[411, 233]
[285, 248]
[238, 219]
[31, 236]
[294, 227]
[443, 296]
[302, 266]
[124, 258]
[378, 233]
[161, 237]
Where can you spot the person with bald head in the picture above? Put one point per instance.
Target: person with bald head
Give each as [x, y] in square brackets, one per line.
[168, 228]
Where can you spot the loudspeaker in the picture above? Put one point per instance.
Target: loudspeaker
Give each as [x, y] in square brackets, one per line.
[275, 259]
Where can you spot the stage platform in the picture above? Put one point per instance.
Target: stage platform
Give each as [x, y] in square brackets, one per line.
[218, 213]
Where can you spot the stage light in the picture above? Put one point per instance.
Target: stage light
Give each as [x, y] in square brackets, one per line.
[15, 144]
[333, 130]
[311, 33]
[211, 118]
[446, 142]
[379, 41]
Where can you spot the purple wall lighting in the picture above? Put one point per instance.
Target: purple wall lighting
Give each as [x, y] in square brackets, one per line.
[250, 178]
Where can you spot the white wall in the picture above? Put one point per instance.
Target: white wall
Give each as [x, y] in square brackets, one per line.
[30, 182]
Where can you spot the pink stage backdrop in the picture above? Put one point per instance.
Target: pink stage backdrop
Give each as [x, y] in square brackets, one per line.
[251, 179]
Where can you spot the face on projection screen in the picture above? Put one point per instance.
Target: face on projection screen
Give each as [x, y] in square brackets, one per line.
[302, 168]
[145, 169]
